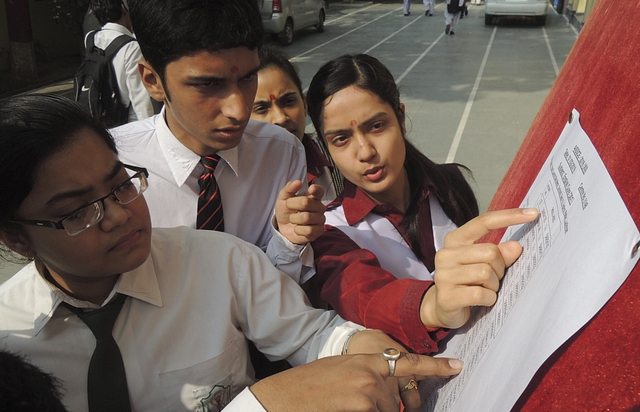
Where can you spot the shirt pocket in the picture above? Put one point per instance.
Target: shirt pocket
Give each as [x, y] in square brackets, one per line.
[203, 387]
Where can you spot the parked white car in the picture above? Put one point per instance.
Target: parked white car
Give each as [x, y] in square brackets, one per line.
[281, 18]
[533, 8]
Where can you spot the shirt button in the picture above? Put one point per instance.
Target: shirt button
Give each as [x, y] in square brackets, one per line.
[426, 344]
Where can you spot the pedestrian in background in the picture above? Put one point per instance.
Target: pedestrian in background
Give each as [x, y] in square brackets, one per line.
[406, 6]
[113, 16]
[452, 14]
[429, 7]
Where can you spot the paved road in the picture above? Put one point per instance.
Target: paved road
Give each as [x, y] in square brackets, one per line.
[470, 97]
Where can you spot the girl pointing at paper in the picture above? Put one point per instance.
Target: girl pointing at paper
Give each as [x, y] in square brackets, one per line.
[376, 262]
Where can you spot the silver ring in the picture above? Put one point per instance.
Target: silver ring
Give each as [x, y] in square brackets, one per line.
[391, 355]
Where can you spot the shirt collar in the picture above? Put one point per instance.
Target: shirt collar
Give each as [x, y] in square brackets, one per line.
[357, 204]
[181, 160]
[310, 146]
[117, 27]
[141, 283]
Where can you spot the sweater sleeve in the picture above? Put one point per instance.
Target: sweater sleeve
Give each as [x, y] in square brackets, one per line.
[351, 280]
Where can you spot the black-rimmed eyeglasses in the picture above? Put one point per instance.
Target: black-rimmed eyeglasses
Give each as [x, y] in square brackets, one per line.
[91, 214]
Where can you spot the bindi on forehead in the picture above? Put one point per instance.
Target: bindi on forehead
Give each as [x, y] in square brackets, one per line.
[234, 69]
[353, 123]
[272, 97]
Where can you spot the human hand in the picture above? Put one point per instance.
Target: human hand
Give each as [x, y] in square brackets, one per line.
[376, 341]
[468, 273]
[346, 383]
[300, 218]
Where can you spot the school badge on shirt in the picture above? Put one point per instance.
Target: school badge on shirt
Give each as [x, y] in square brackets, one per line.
[213, 398]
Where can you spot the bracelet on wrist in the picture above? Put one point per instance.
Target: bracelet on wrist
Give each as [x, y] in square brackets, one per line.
[345, 346]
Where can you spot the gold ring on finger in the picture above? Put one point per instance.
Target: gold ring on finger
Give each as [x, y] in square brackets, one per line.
[411, 385]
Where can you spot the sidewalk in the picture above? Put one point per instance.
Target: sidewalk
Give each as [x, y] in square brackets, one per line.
[7, 270]
[50, 72]
[64, 88]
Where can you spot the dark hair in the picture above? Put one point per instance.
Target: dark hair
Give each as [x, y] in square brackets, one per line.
[26, 388]
[107, 11]
[271, 56]
[368, 73]
[168, 30]
[32, 128]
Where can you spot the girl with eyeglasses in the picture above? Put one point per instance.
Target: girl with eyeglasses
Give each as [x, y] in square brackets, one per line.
[189, 299]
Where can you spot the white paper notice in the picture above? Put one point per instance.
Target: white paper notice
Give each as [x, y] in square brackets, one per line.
[576, 255]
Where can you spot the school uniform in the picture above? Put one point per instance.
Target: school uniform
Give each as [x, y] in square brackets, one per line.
[250, 177]
[125, 64]
[367, 271]
[183, 325]
[429, 7]
[406, 7]
[452, 14]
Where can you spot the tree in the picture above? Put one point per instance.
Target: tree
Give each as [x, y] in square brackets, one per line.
[21, 46]
[70, 14]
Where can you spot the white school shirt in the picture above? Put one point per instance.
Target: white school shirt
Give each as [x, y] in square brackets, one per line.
[182, 329]
[125, 64]
[249, 176]
[378, 235]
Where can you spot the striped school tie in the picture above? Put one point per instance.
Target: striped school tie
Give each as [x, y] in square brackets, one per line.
[209, 201]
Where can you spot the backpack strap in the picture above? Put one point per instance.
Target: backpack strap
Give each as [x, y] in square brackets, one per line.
[116, 45]
[90, 41]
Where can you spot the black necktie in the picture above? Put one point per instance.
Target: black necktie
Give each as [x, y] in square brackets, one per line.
[107, 382]
[209, 201]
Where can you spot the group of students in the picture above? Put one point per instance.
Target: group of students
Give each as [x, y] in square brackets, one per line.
[397, 258]
[453, 12]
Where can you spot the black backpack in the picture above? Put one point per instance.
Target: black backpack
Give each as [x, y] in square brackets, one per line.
[95, 84]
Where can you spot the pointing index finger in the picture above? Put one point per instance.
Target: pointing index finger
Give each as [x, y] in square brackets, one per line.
[290, 190]
[315, 192]
[419, 366]
[482, 225]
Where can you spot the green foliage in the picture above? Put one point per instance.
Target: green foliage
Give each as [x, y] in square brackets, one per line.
[69, 13]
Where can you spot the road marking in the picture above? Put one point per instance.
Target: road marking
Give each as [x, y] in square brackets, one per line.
[465, 115]
[293, 59]
[348, 14]
[416, 61]
[396, 32]
[391, 35]
[551, 55]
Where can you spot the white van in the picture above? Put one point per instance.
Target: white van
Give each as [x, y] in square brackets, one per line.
[282, 17]
[533, 8]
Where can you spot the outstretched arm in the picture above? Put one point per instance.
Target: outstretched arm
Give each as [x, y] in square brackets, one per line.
[353, 283]
[346, 383]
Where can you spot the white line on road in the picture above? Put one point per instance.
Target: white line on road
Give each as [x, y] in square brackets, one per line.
[396, 32]
[465, 116]
[390, 36]
[327, 23]
[553, 57]
[416, 61]
[342, 35]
